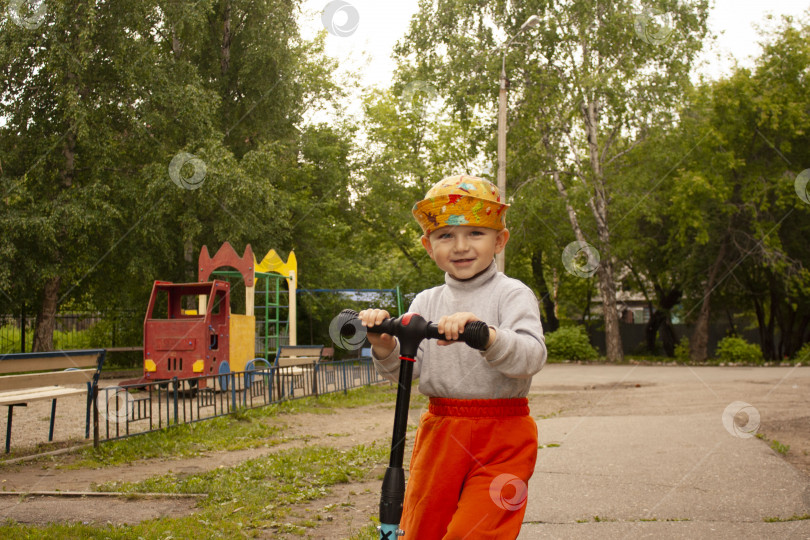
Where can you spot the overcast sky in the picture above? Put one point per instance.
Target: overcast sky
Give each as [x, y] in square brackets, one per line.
[374, 26]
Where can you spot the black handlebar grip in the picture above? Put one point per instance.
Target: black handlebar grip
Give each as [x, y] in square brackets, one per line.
[476, 334]
[349, 323]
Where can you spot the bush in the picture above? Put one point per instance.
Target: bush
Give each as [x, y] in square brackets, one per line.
[682, 353]
[570, 343]
[737, 350]
[803, 354]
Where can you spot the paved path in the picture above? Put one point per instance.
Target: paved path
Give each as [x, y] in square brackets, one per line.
[650, 456]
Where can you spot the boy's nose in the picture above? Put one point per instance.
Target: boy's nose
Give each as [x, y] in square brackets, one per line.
[461, 243]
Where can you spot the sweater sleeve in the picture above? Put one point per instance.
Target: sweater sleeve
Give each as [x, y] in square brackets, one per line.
[388, 367]
[519, 349]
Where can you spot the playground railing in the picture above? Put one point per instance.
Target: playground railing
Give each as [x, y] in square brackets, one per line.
[129, 410]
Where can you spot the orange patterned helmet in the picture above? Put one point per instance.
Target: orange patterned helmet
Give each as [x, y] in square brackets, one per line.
[461, 200]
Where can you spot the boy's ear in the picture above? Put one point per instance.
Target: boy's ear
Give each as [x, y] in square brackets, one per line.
[427, 246]
[501, 240]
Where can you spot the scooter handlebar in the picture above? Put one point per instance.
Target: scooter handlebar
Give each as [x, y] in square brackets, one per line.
[412, 328]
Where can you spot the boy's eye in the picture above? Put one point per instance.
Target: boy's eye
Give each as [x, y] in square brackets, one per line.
[444, 236]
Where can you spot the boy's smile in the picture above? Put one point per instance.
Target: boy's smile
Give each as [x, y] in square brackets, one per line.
[464, 251]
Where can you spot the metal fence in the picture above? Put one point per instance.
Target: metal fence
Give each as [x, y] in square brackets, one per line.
[134, 409]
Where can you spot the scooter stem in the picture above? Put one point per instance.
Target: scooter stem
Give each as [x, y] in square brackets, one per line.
[393, 487]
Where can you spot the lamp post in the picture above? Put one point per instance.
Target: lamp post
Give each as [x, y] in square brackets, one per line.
[534, 20]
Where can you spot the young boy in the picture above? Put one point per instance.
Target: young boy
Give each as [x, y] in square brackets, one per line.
[476, 448]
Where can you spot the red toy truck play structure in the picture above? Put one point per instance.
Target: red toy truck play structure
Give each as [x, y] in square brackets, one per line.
[184, 344]
[210, 340]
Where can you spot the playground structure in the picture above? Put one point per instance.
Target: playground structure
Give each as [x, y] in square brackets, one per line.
[211, 339]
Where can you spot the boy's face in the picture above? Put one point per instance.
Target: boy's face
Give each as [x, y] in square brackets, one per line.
[464, 251]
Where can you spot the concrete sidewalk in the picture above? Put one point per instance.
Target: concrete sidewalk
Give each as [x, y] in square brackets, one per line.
[649, 455]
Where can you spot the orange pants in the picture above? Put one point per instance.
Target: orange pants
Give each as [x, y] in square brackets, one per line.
[470, 468]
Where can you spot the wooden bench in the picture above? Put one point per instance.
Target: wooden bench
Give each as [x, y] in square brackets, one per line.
[27, 377]
[295, 357]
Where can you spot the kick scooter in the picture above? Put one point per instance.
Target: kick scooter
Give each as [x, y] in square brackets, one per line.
[410, 329]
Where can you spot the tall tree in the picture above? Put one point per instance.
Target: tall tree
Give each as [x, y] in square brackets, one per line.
[136, 132]
[589, 89]
[724, 224]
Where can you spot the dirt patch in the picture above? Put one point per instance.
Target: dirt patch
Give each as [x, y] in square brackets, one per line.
[340, 514]
[343, 430]
[35, 510]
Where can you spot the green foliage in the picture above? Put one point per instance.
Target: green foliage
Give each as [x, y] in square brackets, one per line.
[84, 339]
[682, 351]
[803, 354]
[570, 343]
[737, 350]
[780, 448]
[101, 98]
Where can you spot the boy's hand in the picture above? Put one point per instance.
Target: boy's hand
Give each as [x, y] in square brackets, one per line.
[382, 344]
[453, 325]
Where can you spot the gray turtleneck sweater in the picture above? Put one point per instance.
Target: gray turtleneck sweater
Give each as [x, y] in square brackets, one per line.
[457, 371]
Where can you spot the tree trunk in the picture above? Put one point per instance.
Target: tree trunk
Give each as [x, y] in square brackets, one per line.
[46, 316]
[190, 302]
[786, 333]
[668, 337]
[661, 321]
[731, 326]
[607, 285]
[655, 322]
[613, 339]
[551, 322]
[770, 329]
[765, 345]
[800, 339]
[700, 336]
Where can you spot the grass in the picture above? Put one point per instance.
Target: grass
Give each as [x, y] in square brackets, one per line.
[368, 532]
[246, 428]
[186, 440]
[252, 498]
[794, 517]
[779, 447]
[550, 415]
[256, 496]
[775, 445]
